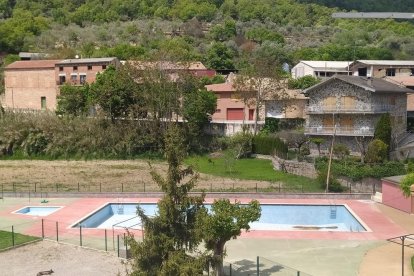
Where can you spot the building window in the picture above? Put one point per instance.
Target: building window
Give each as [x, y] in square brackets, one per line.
[82, 79]
[362, 72]
[390, 72]
[75, 68]
[62, 79]
[103, 67]
[89, 67]
[73, 78]
[61, 68]
[43, 103]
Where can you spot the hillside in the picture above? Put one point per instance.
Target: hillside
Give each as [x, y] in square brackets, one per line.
[367, 5]
[221, 33]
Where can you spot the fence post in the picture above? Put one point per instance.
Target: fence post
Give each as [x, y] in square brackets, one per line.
[117, 236]
[106, 241]
[13, 235]
[43, 230]
[230, 270]
[57, 231]
[279, 187]
[2, 191]
[80, 235]
[144, 186]
[78, 188]
[257, 268]
[122, 187]
[100, 188]
[302, 188]
[35, 187]
[14, 189]
[211, 187]
[126, 247]
[256, 187]
[57, 188]
[298, 274]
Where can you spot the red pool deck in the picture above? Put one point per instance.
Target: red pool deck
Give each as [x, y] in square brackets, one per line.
[381, 227]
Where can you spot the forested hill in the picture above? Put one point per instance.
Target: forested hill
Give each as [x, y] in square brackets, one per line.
[221, 33]
[367, 5]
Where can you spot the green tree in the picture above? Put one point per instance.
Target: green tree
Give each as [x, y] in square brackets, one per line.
[73, 100]
[377, 151]
[219, 56]
[171, 237]
[115, 92]
[340, 151]
[406, 184]
[224, 222]
[303, 82]
[383, 129]
[317, 141]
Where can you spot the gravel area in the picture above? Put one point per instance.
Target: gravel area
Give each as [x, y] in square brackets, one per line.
[63, 259]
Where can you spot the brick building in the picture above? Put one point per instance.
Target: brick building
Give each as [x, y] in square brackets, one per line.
[34, 84]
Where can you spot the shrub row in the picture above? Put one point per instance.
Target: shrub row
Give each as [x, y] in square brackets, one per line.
[357, 171]
[269, 145]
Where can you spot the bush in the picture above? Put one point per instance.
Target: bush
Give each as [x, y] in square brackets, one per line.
[357, 171]
[383, 129]
[269, 145]
[377, 151]
[241, 144]
[340, 151]
[334, 184]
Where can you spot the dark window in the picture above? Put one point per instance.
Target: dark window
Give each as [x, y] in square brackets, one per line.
[89, 67]
[82, 79]
[43, 103]
[60, 68]
[390, 72]
[75, 68]
[362, 72]
[103, 67]
[62, 79]
[73, 78]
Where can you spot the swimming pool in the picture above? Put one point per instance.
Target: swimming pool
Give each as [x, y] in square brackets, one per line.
[41, 211]
[274, 217]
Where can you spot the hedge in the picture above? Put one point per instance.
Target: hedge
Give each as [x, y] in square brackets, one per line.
[269, 145]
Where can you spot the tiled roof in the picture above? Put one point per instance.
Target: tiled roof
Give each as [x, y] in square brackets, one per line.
[401, 80]
[370, 84]
[32, 64]
[86, 60]
[167, 65]
[221, 87]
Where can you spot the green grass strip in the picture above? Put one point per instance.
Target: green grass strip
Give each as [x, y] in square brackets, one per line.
[6, 239]
[250, 169]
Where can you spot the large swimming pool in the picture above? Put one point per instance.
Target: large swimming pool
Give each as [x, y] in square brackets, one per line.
[274, 217]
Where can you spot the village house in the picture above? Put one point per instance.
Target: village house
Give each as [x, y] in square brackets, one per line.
[320, 69]
[34, 84]
[349, 106]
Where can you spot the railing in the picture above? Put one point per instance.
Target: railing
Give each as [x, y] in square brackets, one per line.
[347, 131]
[318, 109]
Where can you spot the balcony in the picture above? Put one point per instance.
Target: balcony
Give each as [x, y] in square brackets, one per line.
[326, 109]
[340, 131]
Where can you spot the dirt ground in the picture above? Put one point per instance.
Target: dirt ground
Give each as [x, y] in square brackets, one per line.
[63, 259]
[101, 175]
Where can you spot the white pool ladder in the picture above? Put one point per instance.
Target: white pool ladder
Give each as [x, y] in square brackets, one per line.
[120, 208]
[332, 211]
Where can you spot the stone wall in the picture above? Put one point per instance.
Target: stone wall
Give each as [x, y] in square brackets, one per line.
[295, 167]
[365, 185]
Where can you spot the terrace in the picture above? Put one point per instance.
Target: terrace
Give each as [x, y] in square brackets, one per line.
[342, 131]
[373, 108]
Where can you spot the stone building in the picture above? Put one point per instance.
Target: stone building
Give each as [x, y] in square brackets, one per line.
[349, 107]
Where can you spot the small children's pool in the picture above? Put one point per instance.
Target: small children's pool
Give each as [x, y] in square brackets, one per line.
[274, 217]
[41, 211]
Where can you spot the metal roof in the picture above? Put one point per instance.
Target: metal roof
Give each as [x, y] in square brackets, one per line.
[376, 85]
[386, 62]
[326, 64]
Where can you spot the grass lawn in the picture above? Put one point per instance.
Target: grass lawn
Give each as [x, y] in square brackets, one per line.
[6, 239]
[250, 169]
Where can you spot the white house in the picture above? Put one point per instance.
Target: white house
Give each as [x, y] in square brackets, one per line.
[320, 69]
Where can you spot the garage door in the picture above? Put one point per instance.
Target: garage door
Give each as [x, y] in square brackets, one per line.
[235, 114]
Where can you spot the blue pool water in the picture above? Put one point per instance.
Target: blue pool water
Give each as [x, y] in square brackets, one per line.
[274, 217]
[37, 211]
